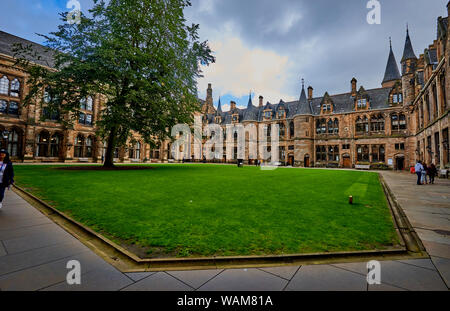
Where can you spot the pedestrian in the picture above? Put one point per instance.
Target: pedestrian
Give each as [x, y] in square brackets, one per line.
[418, 169]
[6, 174]
[432, 173]
[424, 173]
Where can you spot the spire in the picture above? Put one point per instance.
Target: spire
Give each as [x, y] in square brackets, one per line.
[303, 99]
[250, 104]
[219, 107]
[408, 52]
[391, 72]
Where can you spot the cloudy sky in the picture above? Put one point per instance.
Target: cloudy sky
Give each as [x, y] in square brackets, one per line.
[267, 46]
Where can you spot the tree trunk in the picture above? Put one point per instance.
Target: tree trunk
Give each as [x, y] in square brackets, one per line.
[109, 155]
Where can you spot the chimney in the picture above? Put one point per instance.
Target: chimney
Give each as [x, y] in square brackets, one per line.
[261, 99]
[310, 93]
[209, 98]
[354, 86]
[232, 105]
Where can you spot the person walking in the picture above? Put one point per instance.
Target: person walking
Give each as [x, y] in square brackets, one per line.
[418, 169]
[424, 173]
[432, 171]
[6, 174]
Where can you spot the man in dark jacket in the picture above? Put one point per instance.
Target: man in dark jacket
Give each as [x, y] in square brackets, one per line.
[6, 174]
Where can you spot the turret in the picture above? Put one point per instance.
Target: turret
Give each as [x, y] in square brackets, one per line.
[391, 74]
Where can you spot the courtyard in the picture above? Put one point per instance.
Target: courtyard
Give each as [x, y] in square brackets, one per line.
[162, 211]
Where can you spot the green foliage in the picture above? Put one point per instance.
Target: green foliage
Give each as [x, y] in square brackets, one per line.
[139, 54]
[205, 210]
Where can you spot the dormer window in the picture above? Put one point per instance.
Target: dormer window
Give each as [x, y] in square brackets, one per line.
[397, 98]
[362, 103]
[235, 118]
[268, 114]
[326, 108]
[218, 120]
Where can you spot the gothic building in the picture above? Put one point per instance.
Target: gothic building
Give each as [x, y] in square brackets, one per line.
[404, 120]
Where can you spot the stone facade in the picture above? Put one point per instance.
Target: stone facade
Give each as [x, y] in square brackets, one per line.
[405, 120]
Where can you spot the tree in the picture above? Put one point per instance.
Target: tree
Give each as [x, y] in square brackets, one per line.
[138, 54]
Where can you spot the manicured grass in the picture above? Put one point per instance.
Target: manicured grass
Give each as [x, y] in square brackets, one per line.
[204, 210]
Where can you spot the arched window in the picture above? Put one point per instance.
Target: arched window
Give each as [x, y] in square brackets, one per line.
[4, 85]
[362, 153]
[282, 129]
[88, 147]
[11, 108]
[398, 121]
[138, 150]
[55, 145]
[377, 123]
[362, 125]
[336, 126]
[86, 113]
[435, 100]
[79, 146]
[14, 139]
[330, 127]
[15, 88]
[291, 129]
[42, 141]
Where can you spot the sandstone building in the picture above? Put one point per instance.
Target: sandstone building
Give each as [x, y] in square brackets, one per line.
[404, 120]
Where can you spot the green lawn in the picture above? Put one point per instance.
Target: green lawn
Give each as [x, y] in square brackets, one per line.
[204, 210]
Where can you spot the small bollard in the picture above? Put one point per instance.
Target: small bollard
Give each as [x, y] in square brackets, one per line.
[350, 199]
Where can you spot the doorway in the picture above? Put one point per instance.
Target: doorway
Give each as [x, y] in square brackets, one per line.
[347, 162]
[400, 163]
[306, 160]
[291, 160]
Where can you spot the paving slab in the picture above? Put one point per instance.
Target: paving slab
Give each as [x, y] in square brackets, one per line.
[410, 277]
[286, 272]
[159, 281]
[2, 250]
[437, 249]
[98, 280]
[443, 265]
[357, 267]
[423, 263]
[245, 280]
[384, 288]
[39, 256]
[137, 276]
[195, 278]
[326, 278]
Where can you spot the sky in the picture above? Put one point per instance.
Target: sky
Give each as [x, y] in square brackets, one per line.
[266, 47]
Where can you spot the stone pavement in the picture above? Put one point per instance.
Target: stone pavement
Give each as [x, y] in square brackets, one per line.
[34, 252]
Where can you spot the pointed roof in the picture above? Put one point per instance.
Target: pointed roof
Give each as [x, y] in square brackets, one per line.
[408, 52]
[250, 104]
[219, 108]
[303, 99]
[392, 73]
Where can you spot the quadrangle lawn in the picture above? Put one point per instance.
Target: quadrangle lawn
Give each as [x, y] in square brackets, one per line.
[205, 210]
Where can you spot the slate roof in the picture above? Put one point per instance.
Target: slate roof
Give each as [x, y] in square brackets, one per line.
[45, 55]
[391, 73]
[408, 51]
[343, 103]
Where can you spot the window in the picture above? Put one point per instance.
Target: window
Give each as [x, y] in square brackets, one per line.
[281, 114]
[427, 105]
[50, 115]
[321, 153]
[79, 147]
[11, 108]
[14, 139]
[326, 108]
[378, 153]
[362, 103]
[291, 129]
[291, 147]
[85, 116]
[330, 127]
[346, 147]
[435, 100]
[42, 141]
[4, 85]
[333, 153]
[336, 126]
[398, 122]
[55, 143]
[400, 146]
[15, 88]
[362, 125]
[362, 153]
[282, 129]
[321, 126]
[88, 147]
[397, 98]
[235, 118]
[377, 123]
[267, 114]
[269, 130]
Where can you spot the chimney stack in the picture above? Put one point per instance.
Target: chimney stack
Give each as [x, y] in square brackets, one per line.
[232, 105]
[310, 93]
[261, 99]
[354, 86]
